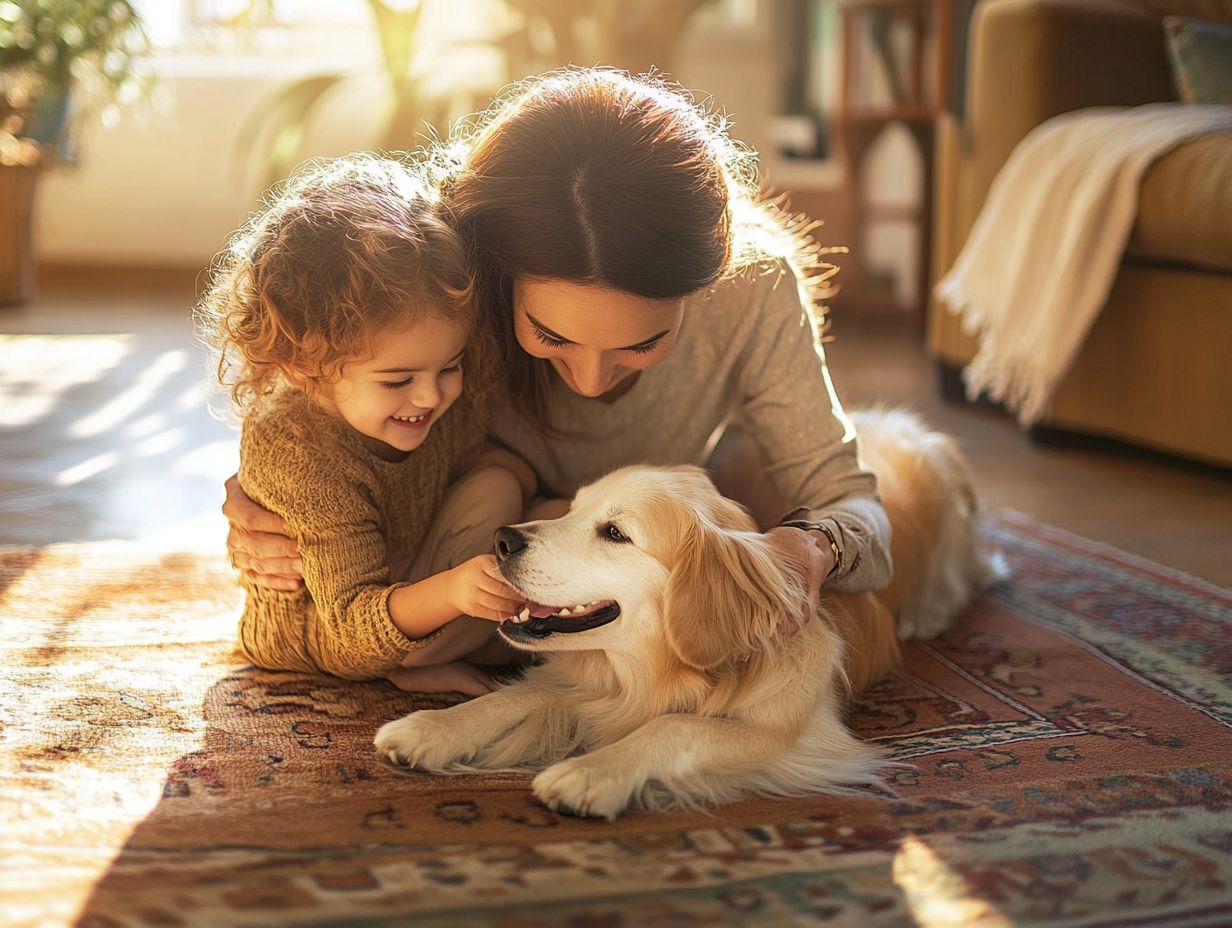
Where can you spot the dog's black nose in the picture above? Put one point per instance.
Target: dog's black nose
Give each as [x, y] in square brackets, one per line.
[509, 541]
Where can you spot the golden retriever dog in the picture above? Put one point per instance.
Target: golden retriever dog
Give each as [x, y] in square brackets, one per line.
[666, 681]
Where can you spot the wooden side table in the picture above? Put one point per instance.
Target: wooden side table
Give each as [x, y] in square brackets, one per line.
[895, 69]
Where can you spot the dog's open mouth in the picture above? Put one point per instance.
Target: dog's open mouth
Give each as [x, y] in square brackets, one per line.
[539, 621]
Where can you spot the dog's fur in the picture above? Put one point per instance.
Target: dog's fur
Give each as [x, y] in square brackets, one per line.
[691, 695]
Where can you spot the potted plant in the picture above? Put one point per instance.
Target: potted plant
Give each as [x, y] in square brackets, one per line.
[59, 59]
[638, 35]
[416, 104]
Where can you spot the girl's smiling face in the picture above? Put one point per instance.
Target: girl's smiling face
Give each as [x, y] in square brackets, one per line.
[394, 397]
[596, 338]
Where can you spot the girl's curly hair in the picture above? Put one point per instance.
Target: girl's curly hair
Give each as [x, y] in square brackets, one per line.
[343, 248]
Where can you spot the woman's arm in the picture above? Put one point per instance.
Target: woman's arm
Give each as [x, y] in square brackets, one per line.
[790, 406]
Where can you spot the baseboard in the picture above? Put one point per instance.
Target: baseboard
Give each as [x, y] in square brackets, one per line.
[1050, 436]
[128, 276]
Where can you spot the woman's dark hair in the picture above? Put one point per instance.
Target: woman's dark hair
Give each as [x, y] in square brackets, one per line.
[593, 176]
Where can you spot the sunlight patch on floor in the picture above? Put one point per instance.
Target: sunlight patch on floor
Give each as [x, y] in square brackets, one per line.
[215, 460]
[146, 425]
[160, 443]
[128, 401]
[91, 467]
[35, 370]
[937, 896]
[194, 397]
[206, 533]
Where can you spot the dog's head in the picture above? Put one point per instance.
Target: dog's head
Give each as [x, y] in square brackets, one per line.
[648, 554]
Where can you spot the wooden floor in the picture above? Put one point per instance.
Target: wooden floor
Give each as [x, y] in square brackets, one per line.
[104, 433]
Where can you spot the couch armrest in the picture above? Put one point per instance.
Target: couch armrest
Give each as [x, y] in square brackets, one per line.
[1031, 60]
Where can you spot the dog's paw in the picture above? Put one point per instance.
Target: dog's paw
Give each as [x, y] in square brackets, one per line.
[578, 786]
[425, 741]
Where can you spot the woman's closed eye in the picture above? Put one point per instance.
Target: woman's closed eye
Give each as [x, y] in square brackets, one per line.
[553, 341]
[646, 348]
[550, 340]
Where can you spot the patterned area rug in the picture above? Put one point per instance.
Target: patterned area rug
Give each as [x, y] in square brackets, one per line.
[1069, 747]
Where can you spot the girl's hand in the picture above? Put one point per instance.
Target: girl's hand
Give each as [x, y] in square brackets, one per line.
[258, 543]
[812, 559]
[476, 588]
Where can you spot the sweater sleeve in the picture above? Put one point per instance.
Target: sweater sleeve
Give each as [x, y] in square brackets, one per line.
[331, 511]
[790, 404]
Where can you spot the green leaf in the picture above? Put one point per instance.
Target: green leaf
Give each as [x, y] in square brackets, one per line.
[397, 30]
[284, 116]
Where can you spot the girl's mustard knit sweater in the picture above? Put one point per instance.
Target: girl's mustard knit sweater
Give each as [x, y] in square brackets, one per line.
[352, 513]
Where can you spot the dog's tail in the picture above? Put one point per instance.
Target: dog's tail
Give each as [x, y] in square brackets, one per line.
[929, 494]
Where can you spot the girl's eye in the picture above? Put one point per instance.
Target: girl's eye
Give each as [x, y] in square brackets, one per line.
[610, 531]
[452, 370]
[396, 384]
[646, 349]
[550, 340]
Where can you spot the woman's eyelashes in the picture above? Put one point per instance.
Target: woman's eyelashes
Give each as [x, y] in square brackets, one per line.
[550, 340]
[553, 342]
[646, 348]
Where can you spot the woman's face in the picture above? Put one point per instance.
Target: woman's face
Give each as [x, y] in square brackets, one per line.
[595, 337]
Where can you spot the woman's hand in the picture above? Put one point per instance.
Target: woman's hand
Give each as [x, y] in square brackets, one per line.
[813, 559]
[259, 544]
[475, 587]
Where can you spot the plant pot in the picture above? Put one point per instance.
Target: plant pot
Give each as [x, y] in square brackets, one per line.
[49, 122]
[18, 184]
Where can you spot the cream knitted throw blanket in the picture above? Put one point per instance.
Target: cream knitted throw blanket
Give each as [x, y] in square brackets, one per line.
[1043, 253]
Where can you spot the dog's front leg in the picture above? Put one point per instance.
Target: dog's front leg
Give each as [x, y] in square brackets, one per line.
[677, 751]
[437, 739]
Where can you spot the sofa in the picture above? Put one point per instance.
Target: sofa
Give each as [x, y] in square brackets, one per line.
[1156, 368]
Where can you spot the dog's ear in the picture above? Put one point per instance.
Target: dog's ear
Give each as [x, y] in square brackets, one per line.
[725, 595]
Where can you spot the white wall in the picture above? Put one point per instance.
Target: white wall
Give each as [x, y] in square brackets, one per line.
[894, 180]
[168, 190]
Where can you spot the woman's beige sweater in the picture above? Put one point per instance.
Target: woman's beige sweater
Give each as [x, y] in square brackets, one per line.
[747, 351]
[352, 513]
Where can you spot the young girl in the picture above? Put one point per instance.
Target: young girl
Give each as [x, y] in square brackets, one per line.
[343, 316]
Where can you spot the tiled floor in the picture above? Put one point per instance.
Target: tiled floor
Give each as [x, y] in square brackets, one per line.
[104, 433]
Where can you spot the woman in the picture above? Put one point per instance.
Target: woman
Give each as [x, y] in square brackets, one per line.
[652, 310]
